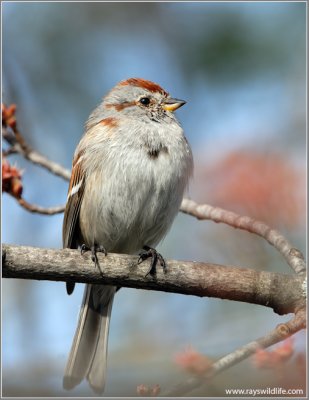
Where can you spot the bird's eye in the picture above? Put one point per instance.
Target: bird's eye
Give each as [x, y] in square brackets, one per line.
[145, 101]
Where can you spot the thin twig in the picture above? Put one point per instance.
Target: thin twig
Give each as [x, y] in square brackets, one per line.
[51, 166]
[204, 211]
[281, 332]
[20, 146]
[9, 151]
[40, 210]
[44, 162]
[12, 185]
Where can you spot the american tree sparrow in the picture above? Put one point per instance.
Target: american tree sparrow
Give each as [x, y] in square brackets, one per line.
[130, 170]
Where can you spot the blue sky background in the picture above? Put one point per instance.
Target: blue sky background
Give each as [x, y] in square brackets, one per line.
[241, 68]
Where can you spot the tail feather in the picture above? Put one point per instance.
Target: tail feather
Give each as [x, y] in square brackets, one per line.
[97, 371]
[89, 348]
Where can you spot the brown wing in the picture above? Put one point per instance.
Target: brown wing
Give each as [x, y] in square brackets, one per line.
[71, 213]
[70, 228]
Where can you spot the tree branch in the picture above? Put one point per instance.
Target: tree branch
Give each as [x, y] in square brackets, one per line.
[293, 256]
[36, 158]
[14, 137]
[281, 332]
[38, 209]
[44, 162]
[284, 293]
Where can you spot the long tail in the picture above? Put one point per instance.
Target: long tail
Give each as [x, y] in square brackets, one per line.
[88, 353]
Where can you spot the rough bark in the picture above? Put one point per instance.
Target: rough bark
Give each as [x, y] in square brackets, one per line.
[282, 292]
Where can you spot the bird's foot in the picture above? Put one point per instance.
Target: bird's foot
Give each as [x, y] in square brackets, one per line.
[95, 248]
[149, 252]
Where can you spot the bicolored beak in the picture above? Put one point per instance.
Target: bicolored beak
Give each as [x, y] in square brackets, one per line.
[172, 104]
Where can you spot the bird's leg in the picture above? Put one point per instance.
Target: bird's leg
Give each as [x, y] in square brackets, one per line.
[95, 248]
[149, 252]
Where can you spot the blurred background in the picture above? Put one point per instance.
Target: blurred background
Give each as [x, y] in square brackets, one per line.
[242, 69]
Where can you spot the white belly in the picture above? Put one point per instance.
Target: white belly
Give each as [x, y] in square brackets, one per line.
[137, 196]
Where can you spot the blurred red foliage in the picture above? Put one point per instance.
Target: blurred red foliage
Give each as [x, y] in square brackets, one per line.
[287, 366]
[145, 391]
[11, 179]
[274, 358]
[8, 115]
[193, 362]
[267, 187]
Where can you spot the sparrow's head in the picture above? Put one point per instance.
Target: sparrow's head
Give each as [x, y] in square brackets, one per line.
[140, 99]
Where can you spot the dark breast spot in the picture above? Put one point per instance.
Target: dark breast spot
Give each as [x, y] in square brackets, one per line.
[154, 153]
